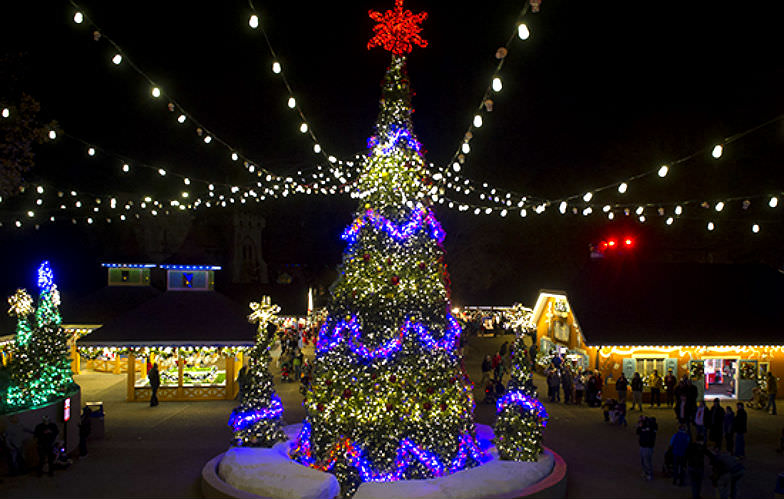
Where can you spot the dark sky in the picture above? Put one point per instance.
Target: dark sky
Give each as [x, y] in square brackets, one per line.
[601, 91]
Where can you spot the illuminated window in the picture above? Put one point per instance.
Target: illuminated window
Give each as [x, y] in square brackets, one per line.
[646, 366]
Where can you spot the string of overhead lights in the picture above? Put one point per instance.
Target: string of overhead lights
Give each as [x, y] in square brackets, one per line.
[305, 127]
[495, 86]
[183, 116]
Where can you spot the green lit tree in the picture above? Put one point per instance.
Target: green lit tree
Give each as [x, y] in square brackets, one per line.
[520, 416]
[388, 400]
[41, 366]
[256, 422]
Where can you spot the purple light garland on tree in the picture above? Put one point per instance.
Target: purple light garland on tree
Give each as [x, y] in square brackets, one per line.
[524, 401]
[400, 233]
[242, 420]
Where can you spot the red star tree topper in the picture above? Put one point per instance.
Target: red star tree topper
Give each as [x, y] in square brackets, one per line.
[397, 30]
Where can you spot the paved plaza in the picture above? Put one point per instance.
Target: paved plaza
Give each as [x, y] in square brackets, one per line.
[155, 452]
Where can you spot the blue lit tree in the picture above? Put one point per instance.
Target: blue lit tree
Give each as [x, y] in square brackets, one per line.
[388, 399]
[257, 420]
[41, 366]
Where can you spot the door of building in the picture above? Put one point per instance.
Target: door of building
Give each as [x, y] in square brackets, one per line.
[747, 378]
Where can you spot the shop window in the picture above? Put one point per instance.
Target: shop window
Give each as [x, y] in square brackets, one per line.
[646, 366]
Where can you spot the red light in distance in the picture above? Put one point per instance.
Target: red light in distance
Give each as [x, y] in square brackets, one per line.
[611, 243]
[628, 242]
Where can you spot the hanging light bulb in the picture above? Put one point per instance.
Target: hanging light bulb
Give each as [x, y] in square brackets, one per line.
[253, 22]
[642, 219]
[774, 201]
[292, 103]
[117, 59]
[503, 213]
[639, 210]
[316, 148]
[303, 128]
[711, 226]
[156, 92]
[465, 148]
[161, 172]
[678, 210]
[181, 118]
[522, 32]
[717, 151]
[78, 17]
[186, 181]
[663, 171]
[622, 187]
[587, 211]
[497, 85]
[276, 67]
[523, 213]
[606, 208]
[755, 228]
[52, 135]
[235, 156]
[587, 196]
[611, 215]
[6, 112]
[670, 220]
[478, 121]
[719, 206]
[456, 166]
[562, 207]
[91, 151]
[207, 139]
[39, 189]
[126, 168]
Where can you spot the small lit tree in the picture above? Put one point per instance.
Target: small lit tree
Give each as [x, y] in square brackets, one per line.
[41, 367]
[520, 416]
[257, 421]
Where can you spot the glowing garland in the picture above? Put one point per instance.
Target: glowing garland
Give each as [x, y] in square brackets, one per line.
[523, 401]
[244, 420]
[407, 453]
[400, 233]
[328, 341]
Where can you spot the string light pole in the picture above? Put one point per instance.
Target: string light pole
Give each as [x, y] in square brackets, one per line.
[257, 422]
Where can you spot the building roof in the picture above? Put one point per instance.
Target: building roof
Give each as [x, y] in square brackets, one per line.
[178, 317]
[631, 303]
[103, 305]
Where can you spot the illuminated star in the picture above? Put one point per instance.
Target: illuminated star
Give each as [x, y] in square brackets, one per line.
[521, 317]
[21, 303]
[397, 30]
[263, 312]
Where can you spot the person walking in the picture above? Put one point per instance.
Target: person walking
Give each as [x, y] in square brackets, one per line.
[695, 466]
[740, 428]
[772, 389]
[45, 435]
[155, 383]
[679, 443]
[646, 434]
[669, 388]
[622, 386]
[656, 384]
[85, 427]
[636, 391]
[729, 429]
[715, 424]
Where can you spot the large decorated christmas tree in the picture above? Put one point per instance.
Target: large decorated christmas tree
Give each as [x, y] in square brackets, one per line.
[389, 400]
[41, 366]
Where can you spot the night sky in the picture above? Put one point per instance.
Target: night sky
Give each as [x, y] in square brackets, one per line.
[600, 91]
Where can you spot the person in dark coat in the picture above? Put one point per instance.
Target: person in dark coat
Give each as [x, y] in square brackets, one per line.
[637, 391]
[155, 383]
[691, 400]
[669, 388]
[729, 430]
[590, 390]
[715, 424]
[695, 466]
[740, 428]
[554, 385]
[85, 427]
[566, 383]
[622, 387]
[45, 435]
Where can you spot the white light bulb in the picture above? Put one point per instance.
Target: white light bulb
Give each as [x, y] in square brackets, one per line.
[30, 214]
[161, 172]
[478, 121]
[670, 220]
[755, 228]
[456, 166]
[156, 92]
[774, 201]
[523, 32]
[640, 209]
[6, 112]
[678, 210]
[276, 67]
[611, 215]
[18, 223]
[711, 226]
[186, 181]
[39, 189]
[587, 196]
[91, 151]
[316, 148]
[292, 103]
[719, 206]
[562, 207]
[181, 118]
[117, 59]
[497, 85]
[622, 188]
[303, 128]
[606, 208]
[717, 151]
[663, 171]
[253, 22]
[78, 17]
[207, 139]
[642, 218]
[185, 194]
[587, 211]
[523, 213]
[234, 156]
[89, 220]
[52, 135]
[465, 148]
[126, 168]
[488, 211]
[211, 187]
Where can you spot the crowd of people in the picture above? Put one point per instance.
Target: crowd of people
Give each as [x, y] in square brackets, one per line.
[577, 384]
